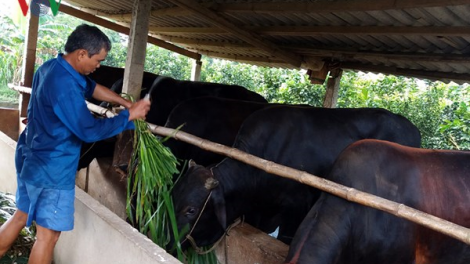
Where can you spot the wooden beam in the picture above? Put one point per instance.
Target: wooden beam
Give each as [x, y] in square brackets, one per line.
[312, 63]
[432, 75]
[187, 30]
[205, 43]
[124, 30]
[360, 30]
[333, 6]
[306, 31]
[341, 53]
[249, 37]
[248, 59]
[171, 11]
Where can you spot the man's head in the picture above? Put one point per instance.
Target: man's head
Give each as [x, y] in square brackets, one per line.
[89, 45]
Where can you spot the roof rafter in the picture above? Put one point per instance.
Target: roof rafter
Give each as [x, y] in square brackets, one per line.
[403, 56]
[206, 43]
[188, 30]
[246, 59]
[334, 6]
[249, 37]
[316, 30]
[172, 11]
[433, 75]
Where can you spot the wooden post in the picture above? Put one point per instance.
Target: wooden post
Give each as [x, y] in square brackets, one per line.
[137, 48]
[196, 70]
[133, 72]
[29, 59]
[332, 88]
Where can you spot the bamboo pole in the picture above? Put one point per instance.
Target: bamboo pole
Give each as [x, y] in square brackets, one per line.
[438, 224]
[99, 110]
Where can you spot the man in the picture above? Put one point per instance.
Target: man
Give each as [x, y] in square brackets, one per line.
[48, 150]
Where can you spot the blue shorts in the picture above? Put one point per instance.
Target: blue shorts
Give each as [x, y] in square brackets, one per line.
[49, 208]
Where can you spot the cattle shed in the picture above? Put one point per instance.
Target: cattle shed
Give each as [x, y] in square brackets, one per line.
[414, 38]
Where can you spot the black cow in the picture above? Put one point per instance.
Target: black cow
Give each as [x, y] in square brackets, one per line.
[434, 181]
[304, 138]
[107, 75]
[112, 76]
[212, 118]
[147, 82]
[166, 93]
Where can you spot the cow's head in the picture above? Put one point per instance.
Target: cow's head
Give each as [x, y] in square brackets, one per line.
[199, 206]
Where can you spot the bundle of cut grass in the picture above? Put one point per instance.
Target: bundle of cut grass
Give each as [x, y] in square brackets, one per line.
[149, 204]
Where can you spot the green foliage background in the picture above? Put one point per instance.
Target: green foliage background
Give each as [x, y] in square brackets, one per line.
[439, 110]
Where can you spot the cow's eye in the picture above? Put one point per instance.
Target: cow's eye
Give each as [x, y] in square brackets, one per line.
[191, 211]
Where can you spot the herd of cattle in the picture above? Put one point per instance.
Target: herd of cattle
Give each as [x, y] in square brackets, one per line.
[371, 150]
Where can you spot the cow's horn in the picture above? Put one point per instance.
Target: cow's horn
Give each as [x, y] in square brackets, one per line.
[211, 183]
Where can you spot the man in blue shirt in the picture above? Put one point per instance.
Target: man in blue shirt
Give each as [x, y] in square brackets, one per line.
[48, 149]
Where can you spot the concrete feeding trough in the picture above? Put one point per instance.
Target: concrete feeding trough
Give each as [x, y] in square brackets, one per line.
[102, 236]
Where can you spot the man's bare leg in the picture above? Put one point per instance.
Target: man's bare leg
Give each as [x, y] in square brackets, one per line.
[43, 248]
[10, 229]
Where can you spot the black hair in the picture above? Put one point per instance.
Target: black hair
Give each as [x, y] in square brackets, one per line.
[89, 38]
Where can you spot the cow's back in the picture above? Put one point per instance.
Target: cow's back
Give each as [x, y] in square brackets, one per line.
[212, 118]
[167, 93]
[107, 75]
[287, 133]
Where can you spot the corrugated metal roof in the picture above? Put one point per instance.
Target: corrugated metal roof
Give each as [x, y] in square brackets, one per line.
[426, 39]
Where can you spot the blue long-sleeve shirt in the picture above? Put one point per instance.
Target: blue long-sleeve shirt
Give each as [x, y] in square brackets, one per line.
[58, 121]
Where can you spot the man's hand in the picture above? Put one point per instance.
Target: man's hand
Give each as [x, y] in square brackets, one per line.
[139, 109]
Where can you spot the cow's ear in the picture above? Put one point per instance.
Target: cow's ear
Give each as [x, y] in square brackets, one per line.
[191, 163]
[218, 201]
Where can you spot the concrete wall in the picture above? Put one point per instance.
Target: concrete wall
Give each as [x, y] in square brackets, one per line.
[7, 164]
[102, 237]
[105, 185]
